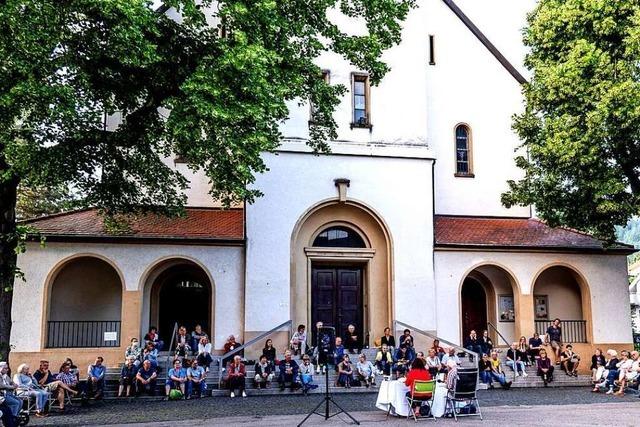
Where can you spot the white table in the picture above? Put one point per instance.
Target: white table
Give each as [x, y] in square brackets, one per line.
[393, 394]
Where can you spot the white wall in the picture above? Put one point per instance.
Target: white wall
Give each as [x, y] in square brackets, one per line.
[224, 264]
[605, 274]
[399, 190]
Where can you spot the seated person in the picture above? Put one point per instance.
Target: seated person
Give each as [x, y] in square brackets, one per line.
[450, 355]
[7, 418]
[13, 405]
[204, 353]
[418, 372]
[388, 339]
[150, 353]
[352, 340]
[288, 372]
[452, 374]
[48, 382]
[401, 362]
[236, 375]
[95, 378]
[439, 350]
[514, 360]
[153, 336]
[345, 372]
[365, 371]
[196, 380]
[535, 345]
[611, 365]
[616, 372]
[298, 342]
[134, 351]
[196, 337]
[229, 346]
[384, 360]
[68, 378]
[146, 379]
[406, 341]
[338, 353]
[127, 377]
[629, 372]
[27, 386]
[73, 368]
[306, 374]
[522, 350]
[484, 367]
[597, 365]
[176, 379]
[269, 352]
[545, 367]
[473, 343]
[183, 348]
[433, 363]
[486, 343]
[569, 361]
[497, 374]
[264, 373]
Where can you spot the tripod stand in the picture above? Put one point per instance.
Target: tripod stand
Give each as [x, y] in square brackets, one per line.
[326, 400]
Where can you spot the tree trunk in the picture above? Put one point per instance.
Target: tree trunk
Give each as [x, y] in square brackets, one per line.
[8, 257]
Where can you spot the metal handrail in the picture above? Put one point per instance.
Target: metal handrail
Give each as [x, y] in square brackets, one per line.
[173, 337]
[448, 343]
[515, 368]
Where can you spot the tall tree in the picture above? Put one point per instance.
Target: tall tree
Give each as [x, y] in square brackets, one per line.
[210, 83]
[581, 124]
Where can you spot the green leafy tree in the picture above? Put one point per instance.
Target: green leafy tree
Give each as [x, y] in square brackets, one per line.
[211, 86]
[38, 201]
[581, 123]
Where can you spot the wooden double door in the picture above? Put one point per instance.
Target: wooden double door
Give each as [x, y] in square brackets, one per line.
[337, 298]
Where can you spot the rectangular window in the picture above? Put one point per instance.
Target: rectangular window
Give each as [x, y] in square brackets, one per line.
[432, 54]
[360, 88]
[326, 76]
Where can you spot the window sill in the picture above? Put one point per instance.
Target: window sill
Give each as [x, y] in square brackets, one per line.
[464, 175]
[360, 126]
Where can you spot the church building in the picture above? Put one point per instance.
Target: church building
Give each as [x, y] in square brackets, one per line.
[402, 221]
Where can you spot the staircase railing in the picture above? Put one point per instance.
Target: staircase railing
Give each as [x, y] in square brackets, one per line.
[249, 343]
[492, 326]
[472, 355]
[170, 349]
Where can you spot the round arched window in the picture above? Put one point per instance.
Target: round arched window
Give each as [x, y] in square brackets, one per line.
[339, 237]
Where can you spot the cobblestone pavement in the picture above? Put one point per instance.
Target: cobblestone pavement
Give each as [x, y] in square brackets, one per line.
[211, 410]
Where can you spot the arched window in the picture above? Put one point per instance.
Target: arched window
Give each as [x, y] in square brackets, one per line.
[339, 237]
[464, 165]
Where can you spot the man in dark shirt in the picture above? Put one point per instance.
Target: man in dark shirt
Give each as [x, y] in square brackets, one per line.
[473, 343]
[554, 337]
[146, 379]
[288, 372]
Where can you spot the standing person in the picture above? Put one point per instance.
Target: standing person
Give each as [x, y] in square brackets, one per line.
[554, 338]
[153, 336]
[472, 343]
[236, 376]
[406, 341]
[306, 375]
[486, 343]
[146, 379]
[95, 378]
[196, 379]
[388, 339]
[298, 341]
[27, 386]
[497, 373]
[570, 361]
[269, 352]
[514, 360]
[196, 337]
[176, 379]
[345, 372]
[7, 390]
[204, 353]
[264, 372]
[535, 345]
[352, 340]
[597, 365]
[288, 372]
[545, 367]
[135, 351]
[365, 371]
[384, 360]
[127, 377]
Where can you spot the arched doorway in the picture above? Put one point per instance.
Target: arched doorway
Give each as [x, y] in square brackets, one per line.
[559, 292]
[488, 295]
[85, 305]
[180, 292]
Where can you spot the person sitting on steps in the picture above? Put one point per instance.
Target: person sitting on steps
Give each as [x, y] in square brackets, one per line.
[146, 379]
[95, 378]
[127, 377]
[338, 353]
[365, 371]
[352, 340]
[264, 373]
[236, 374]
[288, 372]
[153, 336]
[545, 367]
[345, 372]
[497, 374]
[535, 345]
[135, 351]
[388, 339]
[384, 360]
[176, 379]
[306, 374]
[406, 342]
[514, 360]
[204, 353]
[269, 352]
[569, 361]
[472, 343]
[298, 342]
[196, 379]
[196, 337]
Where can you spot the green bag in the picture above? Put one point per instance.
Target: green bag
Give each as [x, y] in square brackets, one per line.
[175, 394]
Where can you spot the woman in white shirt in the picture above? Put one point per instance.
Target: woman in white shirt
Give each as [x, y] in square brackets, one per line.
[204, 353]
[28, 386]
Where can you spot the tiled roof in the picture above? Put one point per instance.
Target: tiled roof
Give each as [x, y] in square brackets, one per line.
[199, 224]
[518, 233]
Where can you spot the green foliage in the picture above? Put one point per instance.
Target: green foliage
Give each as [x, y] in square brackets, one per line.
[34, 202]
[216, 94]
[581, 124]
[629, 234]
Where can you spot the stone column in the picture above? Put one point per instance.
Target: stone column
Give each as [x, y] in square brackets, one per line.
[131, 316]
[524, 316]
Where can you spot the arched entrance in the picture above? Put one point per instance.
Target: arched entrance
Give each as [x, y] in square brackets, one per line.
[488, 294]
[85, 305]
[341, 269]
[179, 291]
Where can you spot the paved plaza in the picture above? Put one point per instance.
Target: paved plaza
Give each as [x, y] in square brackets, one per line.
[570, 406]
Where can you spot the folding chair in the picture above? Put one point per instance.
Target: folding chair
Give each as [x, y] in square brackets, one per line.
[464, 392]
[422, 392]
